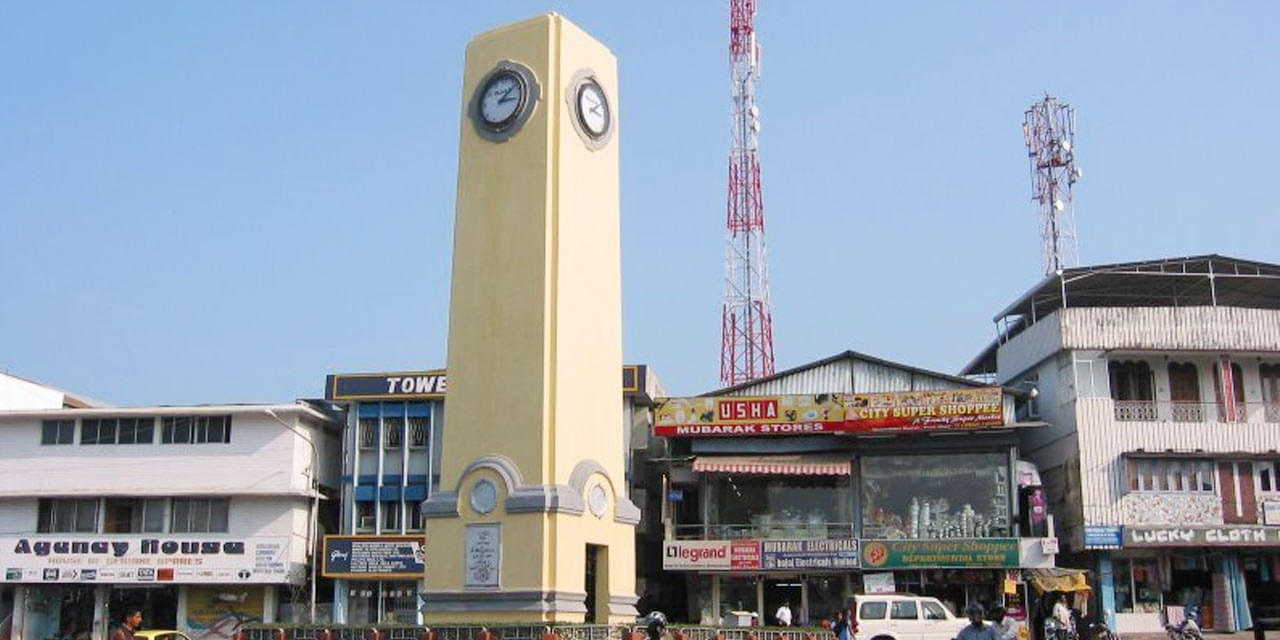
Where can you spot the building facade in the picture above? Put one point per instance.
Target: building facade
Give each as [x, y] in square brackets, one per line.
[391, 463]
[201, 516]
[1161, 383]
[848, 475]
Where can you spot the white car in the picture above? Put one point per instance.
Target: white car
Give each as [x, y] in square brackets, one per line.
[905, 617]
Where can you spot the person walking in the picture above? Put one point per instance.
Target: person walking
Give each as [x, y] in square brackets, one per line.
[783, 615]
[129, 622]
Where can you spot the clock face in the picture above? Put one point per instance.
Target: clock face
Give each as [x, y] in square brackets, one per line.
[593, 109]
[502, 98]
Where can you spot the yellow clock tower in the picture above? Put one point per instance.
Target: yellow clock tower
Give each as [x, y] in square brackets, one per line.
[532, 521]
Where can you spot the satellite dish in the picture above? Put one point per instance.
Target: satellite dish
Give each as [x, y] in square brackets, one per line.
[1057, 205]
[1066, 144]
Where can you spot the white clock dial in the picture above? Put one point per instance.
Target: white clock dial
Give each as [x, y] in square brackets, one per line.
[593, 108]
[502, 98]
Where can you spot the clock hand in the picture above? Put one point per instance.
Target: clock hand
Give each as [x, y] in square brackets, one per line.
[506, 98]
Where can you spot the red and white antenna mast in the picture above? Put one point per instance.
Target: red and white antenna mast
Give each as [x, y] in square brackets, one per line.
[1050, 130]
[746, 345]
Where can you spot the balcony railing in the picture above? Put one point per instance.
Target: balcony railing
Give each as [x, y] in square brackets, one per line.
[1181, 411]
[773, 531]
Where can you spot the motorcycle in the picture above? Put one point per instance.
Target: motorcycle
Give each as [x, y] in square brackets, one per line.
[1055, 630]
[1185, 630]
[1099, 631]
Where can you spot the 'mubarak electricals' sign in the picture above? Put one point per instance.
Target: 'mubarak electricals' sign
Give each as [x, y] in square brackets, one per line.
[142, 559]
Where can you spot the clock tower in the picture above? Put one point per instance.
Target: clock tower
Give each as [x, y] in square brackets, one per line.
[531, 521]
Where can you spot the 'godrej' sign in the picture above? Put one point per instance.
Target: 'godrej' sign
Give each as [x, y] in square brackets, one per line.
[374, 556]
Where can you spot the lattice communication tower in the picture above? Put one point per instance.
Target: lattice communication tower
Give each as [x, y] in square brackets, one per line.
[746, 346]
[1049, 129]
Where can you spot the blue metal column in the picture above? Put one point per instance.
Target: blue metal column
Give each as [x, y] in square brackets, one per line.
[1107, 588]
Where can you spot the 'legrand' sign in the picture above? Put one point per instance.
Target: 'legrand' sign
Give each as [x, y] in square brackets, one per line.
[1200, 536]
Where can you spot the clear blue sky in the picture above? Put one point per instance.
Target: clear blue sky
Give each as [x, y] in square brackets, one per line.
[208, 202]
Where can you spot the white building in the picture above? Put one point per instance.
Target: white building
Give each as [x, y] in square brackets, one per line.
[201, 516]
[1161, 381]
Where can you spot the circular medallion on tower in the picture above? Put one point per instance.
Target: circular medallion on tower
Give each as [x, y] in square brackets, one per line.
[597, 500]
[592, 113]
[484, 497]
[503, 100]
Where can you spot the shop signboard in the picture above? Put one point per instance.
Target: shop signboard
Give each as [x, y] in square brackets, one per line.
[942, 553]
[968, 408]
[780, 415]
[386, 386]
[1103, 536]
[839, 553]
[388, 557]
[1173, 536]
[115, 559]
[711, 555]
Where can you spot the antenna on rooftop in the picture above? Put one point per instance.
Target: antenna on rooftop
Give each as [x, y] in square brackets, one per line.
[1049, 129]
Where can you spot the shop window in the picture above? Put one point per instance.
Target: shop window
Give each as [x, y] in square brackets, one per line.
[57, 432]
[1177, 476]
[1138, 585]
[364, 517]
[781, 506]
[1268, 475]
[737, 594]
[873, 610]
[200, 515]
[963, 495]
[67, 515]
[903, 610]
[195, 429]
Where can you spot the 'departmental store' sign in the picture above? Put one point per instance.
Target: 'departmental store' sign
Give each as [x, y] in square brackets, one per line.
[957, 553]
[780, 415]
[98, 559]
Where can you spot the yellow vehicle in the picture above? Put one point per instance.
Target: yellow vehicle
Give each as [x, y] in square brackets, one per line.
[160, 634]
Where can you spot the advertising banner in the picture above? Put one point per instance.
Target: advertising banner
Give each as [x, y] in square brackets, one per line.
[925, 554]
[217, 612]
[924, 410]
[809, 554]
[748, 415]
[91, 558]
[711, 555]
[389, 557]
[1200, 536]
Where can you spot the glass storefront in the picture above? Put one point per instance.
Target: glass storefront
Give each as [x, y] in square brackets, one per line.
[737, 594]
[758, 506]
[391, 601]
[962, 495]
[1138, 585]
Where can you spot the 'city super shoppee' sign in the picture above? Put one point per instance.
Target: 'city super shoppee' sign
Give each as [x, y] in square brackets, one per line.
[969, 408]
[389, 557]
[1200, 536]
[117, 560]
[759, 555]
[923, 554]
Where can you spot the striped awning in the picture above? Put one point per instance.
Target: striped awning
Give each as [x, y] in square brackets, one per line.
[793, 465]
